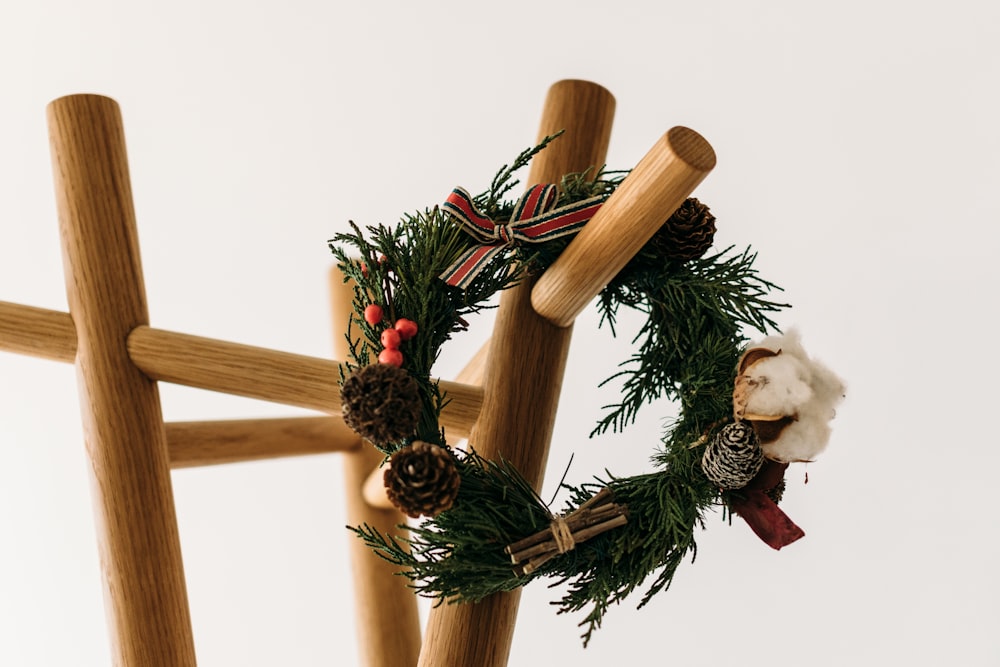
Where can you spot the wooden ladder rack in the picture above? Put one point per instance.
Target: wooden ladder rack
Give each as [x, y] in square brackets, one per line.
[506, 403]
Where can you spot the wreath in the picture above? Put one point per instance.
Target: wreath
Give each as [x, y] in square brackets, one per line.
[746, 410]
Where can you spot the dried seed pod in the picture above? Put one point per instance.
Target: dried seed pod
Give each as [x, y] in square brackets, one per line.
[381, 403]
[688, 233]
[733, 457]
[422, 479]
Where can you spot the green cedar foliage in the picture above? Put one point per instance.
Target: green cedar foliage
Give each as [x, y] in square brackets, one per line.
[688, 349]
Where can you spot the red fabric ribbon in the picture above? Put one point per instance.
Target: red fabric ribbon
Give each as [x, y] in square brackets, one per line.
[761, 513]
[532, 221]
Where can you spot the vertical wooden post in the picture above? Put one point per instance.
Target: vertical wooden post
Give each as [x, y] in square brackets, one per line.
[523, 378]
[137, 529]
[385, 609]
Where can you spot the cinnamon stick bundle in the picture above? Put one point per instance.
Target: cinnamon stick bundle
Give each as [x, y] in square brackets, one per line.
[597, 515]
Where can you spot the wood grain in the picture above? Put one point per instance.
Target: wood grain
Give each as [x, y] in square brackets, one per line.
[523, 378]
[385, 609]
[269, 375]
[202, 443]
[475, 369]
[140, 553]
[37, 332]
[658, 185]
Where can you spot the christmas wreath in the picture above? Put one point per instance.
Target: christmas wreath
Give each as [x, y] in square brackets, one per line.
[746, 411]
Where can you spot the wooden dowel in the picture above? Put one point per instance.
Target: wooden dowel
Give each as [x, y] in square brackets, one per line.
[140, 553]
[238, 369]
[202, 443]
[656, 188]
[373, 489]
[269, 375]
[387, 622]
[51, 334]
[523, 378]
[38, 332]
[474, 370]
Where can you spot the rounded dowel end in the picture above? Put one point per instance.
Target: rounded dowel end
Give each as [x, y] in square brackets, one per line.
[692, 148]
[658, 185]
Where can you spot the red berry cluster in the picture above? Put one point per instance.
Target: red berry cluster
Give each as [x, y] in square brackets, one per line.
[402, 330]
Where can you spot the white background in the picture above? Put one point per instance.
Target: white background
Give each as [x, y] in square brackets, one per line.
[858, 153]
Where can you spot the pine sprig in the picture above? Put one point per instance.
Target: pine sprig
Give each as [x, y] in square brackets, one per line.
[665, 509]
[398, 267]
[687, 351]
[491, 202]
[696, 312]
[459, 555]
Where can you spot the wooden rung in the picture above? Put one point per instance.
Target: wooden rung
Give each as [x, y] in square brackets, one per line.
[201, 443]
[49, 334]
[269, 375]
[216, 365]
[648, 196]
[373, 490]
[473, 371]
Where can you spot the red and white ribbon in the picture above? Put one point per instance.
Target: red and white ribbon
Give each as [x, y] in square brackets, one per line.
[532, 221]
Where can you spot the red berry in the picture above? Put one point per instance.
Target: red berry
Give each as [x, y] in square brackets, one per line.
[382, 259]
[373, 314]
[391, 357]
[407, 328]
[364, 270]
[390, 339]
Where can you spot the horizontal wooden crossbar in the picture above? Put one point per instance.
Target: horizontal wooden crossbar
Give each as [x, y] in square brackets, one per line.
[206, 363]
[38, 332]
[203, 443]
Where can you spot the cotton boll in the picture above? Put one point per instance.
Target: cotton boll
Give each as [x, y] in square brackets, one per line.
[791, 385]
[801, 440]
[780, 386]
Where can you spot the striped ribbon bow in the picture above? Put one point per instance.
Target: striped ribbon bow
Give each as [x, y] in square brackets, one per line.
[532, 221]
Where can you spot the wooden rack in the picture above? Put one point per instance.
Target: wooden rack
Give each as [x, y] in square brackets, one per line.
[506, 400]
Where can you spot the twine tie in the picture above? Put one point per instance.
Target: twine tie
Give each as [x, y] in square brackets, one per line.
[562, 535]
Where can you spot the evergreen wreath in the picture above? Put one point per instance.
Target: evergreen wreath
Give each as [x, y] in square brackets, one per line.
[486, 529]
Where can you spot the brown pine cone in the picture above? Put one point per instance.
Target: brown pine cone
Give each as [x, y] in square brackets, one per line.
[422, 479]
[381, 403]
[687, 234]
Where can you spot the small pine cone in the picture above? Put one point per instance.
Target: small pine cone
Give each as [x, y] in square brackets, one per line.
[687, 234]
[733, 457]
[381, 403]
[422, 479]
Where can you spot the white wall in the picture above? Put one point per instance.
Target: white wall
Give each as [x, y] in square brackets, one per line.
[858, 152]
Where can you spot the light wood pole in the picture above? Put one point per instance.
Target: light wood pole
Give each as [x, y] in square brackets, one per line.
[650, 194]
[140, 553]
[120, 358]
[523, 378]
[385, 608]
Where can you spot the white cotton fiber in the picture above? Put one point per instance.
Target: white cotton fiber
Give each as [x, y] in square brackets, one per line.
[793, 385]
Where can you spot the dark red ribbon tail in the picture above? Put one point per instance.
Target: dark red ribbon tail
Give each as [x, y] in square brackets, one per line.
[766, 519]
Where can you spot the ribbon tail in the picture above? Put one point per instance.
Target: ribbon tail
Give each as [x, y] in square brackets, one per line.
[469, 265]
[766, 519]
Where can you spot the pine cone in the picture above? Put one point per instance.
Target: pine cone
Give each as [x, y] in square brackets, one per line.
[422, 479]
[688, 234]
[733, 457]
[381, 403]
